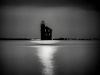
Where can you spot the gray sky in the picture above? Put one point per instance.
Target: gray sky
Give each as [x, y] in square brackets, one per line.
[22, 18]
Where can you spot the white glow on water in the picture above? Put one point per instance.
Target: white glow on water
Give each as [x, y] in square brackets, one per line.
[45, 42]
[45, 54]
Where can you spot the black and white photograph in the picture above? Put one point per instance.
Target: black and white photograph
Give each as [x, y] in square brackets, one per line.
[49, 37]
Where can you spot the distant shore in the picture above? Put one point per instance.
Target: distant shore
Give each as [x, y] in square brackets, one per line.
[15, 39]
[52, 39]
[76, 39]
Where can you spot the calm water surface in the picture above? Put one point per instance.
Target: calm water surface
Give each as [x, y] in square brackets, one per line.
[50, 58]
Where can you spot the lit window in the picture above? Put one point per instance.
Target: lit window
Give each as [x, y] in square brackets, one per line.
[45, 30]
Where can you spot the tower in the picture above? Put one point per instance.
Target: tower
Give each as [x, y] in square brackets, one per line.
[42, 30]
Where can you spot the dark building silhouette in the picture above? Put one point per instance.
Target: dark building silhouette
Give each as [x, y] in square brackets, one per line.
[46, 32]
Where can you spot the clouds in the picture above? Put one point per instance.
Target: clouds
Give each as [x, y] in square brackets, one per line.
[24, 22]
[71, 18]
[49, 2]
[84, 4]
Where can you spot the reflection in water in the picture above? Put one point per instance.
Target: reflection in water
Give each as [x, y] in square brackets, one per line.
[45, 54]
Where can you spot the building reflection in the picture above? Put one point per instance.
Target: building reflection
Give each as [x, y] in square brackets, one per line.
[46, 55]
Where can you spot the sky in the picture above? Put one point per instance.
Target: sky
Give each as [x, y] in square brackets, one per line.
[67, 18]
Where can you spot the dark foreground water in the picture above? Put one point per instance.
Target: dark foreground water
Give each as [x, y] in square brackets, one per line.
[49, 58]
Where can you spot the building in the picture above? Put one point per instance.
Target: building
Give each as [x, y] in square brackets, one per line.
[46, 32]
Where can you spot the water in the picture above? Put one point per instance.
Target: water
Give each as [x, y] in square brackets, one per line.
[49, 57]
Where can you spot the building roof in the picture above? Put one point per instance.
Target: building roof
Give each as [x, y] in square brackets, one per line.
[48, 28]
